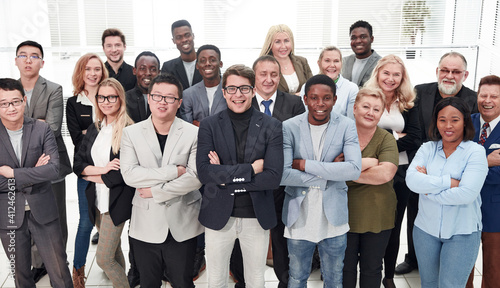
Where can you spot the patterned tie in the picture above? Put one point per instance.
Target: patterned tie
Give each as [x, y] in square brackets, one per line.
[266, 105]
[483, 136]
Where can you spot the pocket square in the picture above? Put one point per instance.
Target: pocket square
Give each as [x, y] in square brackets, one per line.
[494, 146]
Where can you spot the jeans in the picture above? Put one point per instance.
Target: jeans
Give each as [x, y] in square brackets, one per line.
[445, 263]
[331, 253]
[82, 240]
[254, 242]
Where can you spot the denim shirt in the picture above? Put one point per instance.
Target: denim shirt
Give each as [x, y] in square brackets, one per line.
[444, 211]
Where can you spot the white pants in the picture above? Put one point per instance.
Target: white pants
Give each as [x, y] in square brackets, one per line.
[254, 242]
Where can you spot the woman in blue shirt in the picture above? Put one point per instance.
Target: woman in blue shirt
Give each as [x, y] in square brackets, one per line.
[448, 173]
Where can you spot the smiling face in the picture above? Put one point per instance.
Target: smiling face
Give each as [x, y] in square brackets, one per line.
[93, 73]
[330, 64]
[361, 42]
[451, 74]
[450, 124]
[281, 46]
[28, 67]
[109, 109]
[114, 48]
[238, 102]
[389, 77]
[367, 111]
[12, 114]
[209, 65]
[319, 101]
[488, 102]
[183, 38]
[267, 78]
[147, 69]
[161, 110]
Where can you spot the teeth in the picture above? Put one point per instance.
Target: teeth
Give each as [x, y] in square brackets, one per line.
[185, 46]
[488, 107]
[146, 80]
[238, 102]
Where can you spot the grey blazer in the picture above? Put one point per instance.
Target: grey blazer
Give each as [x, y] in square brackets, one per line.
[366, 73]
[47, 104]
[175, 205]
[195, 103]
[31, 183]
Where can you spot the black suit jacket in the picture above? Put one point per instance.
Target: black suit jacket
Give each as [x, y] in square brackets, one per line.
[176, 68]
[264, 141]
[120, 195]
[426, 95]
[137, 107]
[286, 106]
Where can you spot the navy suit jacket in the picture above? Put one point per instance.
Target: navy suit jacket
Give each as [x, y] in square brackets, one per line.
[264, 141]
[286, 106]
[490, 193]
[176, 68]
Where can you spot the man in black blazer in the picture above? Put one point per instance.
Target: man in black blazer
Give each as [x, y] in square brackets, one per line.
[451, 73]
[283, 106]
[29, 161]
[183, 67]
[240, 161]
[147, 67]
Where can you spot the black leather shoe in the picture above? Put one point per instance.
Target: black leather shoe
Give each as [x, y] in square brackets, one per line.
[133, 277]
[95, 238]
[404, 268]
[38, 273]
[388, 283]
[199, 264]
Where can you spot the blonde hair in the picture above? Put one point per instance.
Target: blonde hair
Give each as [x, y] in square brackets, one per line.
[405, 92]
[329, 48]
[122, 119]
[268, 43]
[79, 72]
[373, 92]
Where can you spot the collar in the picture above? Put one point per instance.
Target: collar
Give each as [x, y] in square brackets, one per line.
[84, 100]
[493, 123]
[260, 99]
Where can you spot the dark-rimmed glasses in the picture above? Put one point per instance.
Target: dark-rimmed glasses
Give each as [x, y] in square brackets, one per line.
[167, 99]
[244, 89]
[110, 98]
[14, 103]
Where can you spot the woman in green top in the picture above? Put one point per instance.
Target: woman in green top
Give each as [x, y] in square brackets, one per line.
[371, 198]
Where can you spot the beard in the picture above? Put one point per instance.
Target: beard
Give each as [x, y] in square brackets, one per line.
[447, 90]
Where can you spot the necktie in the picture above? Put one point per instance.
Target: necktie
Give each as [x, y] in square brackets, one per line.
[483, 136]
[266, 105]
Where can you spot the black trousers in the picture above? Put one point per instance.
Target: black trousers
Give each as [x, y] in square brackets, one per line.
[176, 258]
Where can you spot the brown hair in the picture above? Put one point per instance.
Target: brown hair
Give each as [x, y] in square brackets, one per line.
[113, 32]
[239, 70]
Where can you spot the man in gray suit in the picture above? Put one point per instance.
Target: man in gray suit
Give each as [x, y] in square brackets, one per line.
[358, 67]
[29, 160]
[204, 98]
[45, 103]
[158, 157]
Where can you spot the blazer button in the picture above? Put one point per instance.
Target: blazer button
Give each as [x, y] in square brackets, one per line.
[303, 192]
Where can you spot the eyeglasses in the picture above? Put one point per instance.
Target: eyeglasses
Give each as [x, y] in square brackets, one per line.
[32, 57]
[167, 99]
[110, 98]
[453, 72]
[14, 103]
[244, 89]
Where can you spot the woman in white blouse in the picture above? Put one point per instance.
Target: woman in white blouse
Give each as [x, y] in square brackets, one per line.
[97, 160]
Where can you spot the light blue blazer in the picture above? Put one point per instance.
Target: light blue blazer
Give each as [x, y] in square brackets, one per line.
[195, 103]
[341, 137]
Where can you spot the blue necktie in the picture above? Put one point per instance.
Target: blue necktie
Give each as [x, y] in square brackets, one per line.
[266, 105]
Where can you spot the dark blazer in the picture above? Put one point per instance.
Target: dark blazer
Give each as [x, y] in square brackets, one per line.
[286, 106]
[264, 141]
[490, 193]
[120, 195]
[426, 95]
[176, 68]
[31, 183]
[137, 107]
[78, 118]
[366, 73]
[303, 73]
[47, 104]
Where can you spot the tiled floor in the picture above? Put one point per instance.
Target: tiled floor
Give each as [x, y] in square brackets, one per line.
[96, 278]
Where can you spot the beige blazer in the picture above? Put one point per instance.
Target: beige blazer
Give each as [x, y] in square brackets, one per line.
[175, 205]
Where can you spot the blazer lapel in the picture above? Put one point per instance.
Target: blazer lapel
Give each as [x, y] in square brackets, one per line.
[305, 139]
[151, 139]
[218, 100]
[427, 105]
[173, 137]
[7, 145]
[40, 86]
[143, 106]
[254, 129]
[278, 105]
[494, 136]
[330, 133]
[28, 127]
[477, 123]
[179, 67]
[203, 97]
[228, 136]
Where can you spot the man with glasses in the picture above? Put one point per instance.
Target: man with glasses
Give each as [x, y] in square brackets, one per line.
[158, 158]
[240, 162]
[451, 73]
[29, 160]
[45, 103]
[184, 67]
[358, 67]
